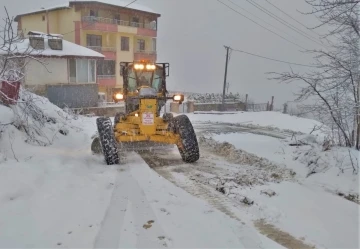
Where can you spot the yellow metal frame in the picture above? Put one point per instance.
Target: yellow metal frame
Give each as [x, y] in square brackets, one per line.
[132, 129]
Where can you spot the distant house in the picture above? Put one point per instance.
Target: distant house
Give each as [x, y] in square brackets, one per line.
[62, 71]
[115, 28]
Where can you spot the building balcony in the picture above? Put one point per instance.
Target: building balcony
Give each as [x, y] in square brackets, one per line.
[111, 25]
[108, 52]
[106, 80]
[145, 55]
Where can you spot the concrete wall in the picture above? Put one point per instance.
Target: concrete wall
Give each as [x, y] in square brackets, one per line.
[54, 71]
[60, 22]
[73, 96]
[217, 107]
[33, 23]
[66, 23]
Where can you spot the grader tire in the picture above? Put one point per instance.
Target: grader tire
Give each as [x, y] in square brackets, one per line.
[107, 140]
[190, 148]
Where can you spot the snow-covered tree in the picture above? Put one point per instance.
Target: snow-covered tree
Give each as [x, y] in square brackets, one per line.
[334, 82]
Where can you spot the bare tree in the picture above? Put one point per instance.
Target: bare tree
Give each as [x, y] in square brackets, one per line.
[15, 53]
[334, 82]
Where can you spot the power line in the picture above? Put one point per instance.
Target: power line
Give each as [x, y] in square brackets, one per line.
[91, 24]
[279, 19]
[282, 21]
[261, 19]
[267, 58]
[262, 25]
[291, 17]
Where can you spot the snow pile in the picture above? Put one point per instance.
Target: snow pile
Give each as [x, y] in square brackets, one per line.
[254, 170]
[336, 168]
[39, 125]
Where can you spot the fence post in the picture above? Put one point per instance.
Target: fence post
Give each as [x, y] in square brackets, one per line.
[272, 104]
[246, 102]
[174, 107]
[285, 108]
[190, 107]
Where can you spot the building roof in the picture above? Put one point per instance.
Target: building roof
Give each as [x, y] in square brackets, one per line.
[66, 5]
[69, 50]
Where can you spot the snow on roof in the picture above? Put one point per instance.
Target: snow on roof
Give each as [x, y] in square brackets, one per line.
[45, 34]
[66, 5]
[69, 49]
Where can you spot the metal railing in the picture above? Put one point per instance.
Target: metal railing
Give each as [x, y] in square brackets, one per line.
[112, 76]
[102, 49]
[149, 52]
[118, 22]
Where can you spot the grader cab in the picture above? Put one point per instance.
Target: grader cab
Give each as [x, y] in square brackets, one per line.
[141, 126]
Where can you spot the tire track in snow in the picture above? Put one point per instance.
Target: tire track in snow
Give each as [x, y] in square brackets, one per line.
[215, 199]
[165, 166]
[114, 230]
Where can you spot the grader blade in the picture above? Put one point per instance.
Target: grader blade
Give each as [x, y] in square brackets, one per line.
[131, 146]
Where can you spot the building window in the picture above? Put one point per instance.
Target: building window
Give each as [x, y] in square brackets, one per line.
[140, 45]
[82, 70]
[125, 41]
[106, 68]
[43, 17]
[94, 41]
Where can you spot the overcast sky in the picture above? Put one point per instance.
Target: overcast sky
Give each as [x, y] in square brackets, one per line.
[192, 35]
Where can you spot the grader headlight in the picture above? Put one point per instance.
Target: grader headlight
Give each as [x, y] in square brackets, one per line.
[178, 98]
[150, 67]
[139, 66]
[118, 97]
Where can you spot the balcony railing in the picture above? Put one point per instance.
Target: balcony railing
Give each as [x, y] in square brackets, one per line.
[149, 52]
[118, 22]
[102, 49]
[106, 76]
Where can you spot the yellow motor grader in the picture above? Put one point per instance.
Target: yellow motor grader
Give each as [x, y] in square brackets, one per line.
[141, 127]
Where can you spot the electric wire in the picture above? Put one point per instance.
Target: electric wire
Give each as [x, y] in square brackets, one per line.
[262, 19]
[239, 13]
[268, 58]
[282, 21]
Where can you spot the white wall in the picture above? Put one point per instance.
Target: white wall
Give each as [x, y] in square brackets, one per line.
[54, 71]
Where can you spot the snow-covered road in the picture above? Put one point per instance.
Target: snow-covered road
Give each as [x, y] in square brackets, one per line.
[62, 196]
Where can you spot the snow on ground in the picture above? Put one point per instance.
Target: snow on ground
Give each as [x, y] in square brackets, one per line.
[311, 206]
[55, 193]
[331, 169]
[264, 119]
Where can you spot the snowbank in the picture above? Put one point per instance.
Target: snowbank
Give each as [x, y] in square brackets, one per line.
[318, 204]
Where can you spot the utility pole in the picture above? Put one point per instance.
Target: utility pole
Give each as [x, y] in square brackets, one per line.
[225, 76]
